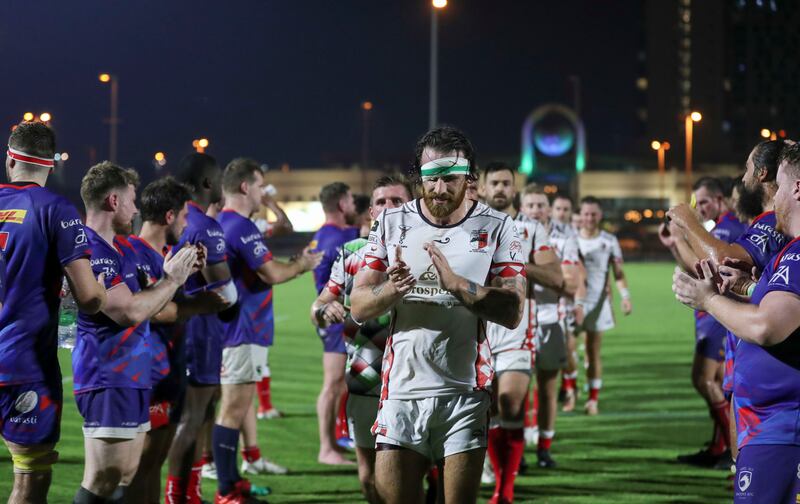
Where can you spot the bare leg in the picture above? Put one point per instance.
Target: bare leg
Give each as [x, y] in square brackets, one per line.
[110, 462]
[185, 445]
[146, 485]
[249, 435]
[31, 487]
[461, 478]
[399, 473]
[366, 473]
[333, 386]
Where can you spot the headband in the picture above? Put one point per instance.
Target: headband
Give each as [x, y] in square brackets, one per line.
[27, 158]
[445, 166]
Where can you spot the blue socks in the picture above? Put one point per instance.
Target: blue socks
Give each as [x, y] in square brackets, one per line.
[225, 445]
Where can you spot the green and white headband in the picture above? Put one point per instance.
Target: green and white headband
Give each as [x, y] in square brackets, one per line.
[445, 166]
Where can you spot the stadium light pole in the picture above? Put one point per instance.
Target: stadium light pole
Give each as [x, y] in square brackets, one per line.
[113, 119]
[690, 120]
[661, 148]
[366, 109]
[434, 73]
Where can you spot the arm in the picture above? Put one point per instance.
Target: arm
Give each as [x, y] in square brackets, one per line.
[88, 292]
[544, 270]
[701, 241]
[572, 278]
[282, 225]
[327, 309]
[622, 287]
[377, 289]
[276, 272]
[202, 304]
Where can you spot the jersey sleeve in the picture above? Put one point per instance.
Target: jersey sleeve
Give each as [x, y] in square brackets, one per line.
[616, 251]
[760, 245]
[571, 253]
[376, 256]
[786, 277]
[338, 275]
[108, 264]
[541, 241]
[253, 252]
[67, 233]
[214, 241]
[507, 258]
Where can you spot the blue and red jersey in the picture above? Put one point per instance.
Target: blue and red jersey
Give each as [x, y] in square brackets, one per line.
[247, 251]
[766, 380]
[328, 239]
[151, 266]
[40, 233]
[107, 354]
[728, 229]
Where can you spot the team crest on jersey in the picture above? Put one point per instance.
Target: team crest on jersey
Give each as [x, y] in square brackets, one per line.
[26, 402]
[403, 231]
[745, 479]
[259, 249]
[479, 239]
[429, 275]
[13, 216]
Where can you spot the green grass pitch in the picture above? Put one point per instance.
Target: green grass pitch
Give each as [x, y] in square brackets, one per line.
[649, 414]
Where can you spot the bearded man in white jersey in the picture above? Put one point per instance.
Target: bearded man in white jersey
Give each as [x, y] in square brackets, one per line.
[600, 251]
[512, 348]
[444, 265]
[551, 315]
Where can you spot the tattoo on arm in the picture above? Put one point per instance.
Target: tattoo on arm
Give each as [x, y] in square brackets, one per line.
[472, 288]
[378, 289]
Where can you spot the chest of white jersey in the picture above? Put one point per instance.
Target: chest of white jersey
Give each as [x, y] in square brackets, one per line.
[435, 343]
[598, 253]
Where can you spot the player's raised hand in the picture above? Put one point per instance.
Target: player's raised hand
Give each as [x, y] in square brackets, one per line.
[736, 279]
[447, 278]
[309, 259]
[666, 237]
[681, 214]
[202, 256]
[400, 273]
[695, 292]
[178, 267]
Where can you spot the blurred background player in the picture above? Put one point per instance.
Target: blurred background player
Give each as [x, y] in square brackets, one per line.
[41, 238]
[709, 334]
[251, 329]
[366, 341]
[434, 405]
[551, 319]
[111, 361]
[512, 348]
[600, 252]
[340, 217]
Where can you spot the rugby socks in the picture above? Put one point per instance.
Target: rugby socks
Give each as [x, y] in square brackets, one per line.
[224, 444]
[515, 446]
[251, 453]
[194, 492]
[497, 452]
[83, 496]
[569, 381]
[208, 458]
[546, 439]
[531, 406]
[264, 394]
[720, 412]
[594, 389]
[342, 427]
[173, 491]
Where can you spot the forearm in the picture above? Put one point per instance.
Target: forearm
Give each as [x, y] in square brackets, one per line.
[367, 302]
[146, 303]
[742, 319]
[684, 255]
[167, 315]
[495, 304]
[317, 307]
[703, 243]
[547, 275]
[281, 272]
[572, 279]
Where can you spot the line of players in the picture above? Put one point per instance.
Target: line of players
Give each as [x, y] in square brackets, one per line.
[410, 338]
[749, 285]
[170, 322]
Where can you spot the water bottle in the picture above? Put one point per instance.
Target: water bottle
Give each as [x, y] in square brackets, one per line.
[67, 318]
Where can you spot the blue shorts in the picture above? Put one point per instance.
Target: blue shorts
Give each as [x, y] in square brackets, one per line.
[31, 413]
[767, 473]
[709, 338]
[119, 413]
[333, 339]
[204, 349]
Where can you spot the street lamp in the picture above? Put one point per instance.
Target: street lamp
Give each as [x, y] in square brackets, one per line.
[27, 116]
[45, 117]
[690, 120]
[434, 72]
[661, 148]
[160, 159]
[200, 144]
[366, 108]
[113, 119]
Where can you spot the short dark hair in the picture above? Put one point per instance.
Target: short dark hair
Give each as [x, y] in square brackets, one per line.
[34, 138]
[496, 166]
[532, 188]
[711, 184]
[447, 139]
[193, 169]
[331, 194]
[790, 155]
[361, 202]
[161, 196]
[103, 178]
[591, 200]
[563, 196]
[393, 180]
[727, 182]
[765, 157]
[239, 170]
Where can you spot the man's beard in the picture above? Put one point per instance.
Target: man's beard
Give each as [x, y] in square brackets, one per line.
[172, 236]
[751, 201]
[122, 228]
[441, 210]
[499, 202]
[350, 219]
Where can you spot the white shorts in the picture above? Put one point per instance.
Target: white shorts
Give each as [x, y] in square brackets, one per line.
[362, 410]
[599, 317]
[435, 427]
[242, 364]
[551, 347]
[513, 360]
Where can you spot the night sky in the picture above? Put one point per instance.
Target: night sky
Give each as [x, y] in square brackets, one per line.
[282, 81]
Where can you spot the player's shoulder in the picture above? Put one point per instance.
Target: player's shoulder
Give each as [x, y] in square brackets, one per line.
[488, 215]
[355, 245]
[607, 236]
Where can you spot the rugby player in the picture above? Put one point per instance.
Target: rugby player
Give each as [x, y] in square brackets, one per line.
[41, 238]
[551, 319]
[111, 361]
[709, 334]
[766, 373]
[340, 214]
[251, 328]
[512, 349]
[600, 252]
[427, 262]
[365, 342]
[203, 333]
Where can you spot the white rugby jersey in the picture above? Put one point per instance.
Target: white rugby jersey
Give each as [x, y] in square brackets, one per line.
[436, 345]
[597, 254]
[533, 237]
[565, 245]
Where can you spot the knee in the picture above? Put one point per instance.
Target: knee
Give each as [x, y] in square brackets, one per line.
[104, 480]
[30, 461]
[509, 406]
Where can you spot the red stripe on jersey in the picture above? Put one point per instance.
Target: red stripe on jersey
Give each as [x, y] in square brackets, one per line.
[484, 373]
[386, 368]
[123, 339]
[263, 305]
[761, 216]
[334, 288]
[376, 263]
